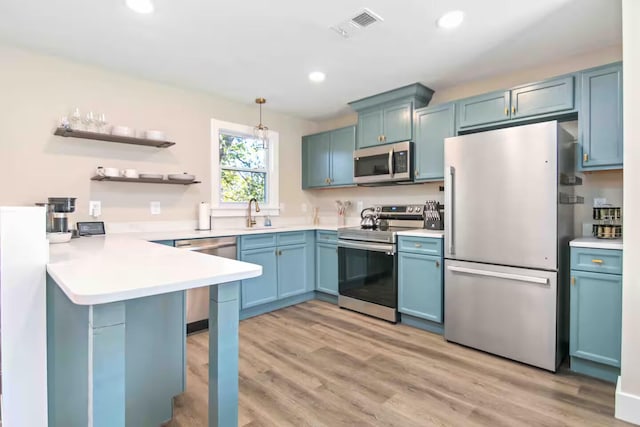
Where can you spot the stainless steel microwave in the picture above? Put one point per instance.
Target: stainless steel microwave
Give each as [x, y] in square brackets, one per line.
[383, 163]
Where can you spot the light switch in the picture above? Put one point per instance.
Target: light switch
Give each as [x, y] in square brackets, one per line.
[155, 208]
[95, 208]
[303, 208]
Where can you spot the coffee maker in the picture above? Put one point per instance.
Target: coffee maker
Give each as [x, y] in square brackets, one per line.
[58, 210]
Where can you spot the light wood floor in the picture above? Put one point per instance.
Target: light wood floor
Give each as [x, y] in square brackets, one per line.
[316, 365]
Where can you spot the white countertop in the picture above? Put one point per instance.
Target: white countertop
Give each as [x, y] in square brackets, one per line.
[104, 269]
[420, 232]
[595, 243]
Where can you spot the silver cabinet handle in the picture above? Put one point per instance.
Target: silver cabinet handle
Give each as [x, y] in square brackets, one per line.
[499, 275]
[391, 163]
[449, 186]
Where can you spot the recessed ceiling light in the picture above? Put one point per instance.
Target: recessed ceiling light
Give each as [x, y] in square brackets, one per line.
[451, 19]
[317, 76]
[140, 6]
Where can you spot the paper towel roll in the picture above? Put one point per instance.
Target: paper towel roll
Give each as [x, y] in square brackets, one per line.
[204, 216]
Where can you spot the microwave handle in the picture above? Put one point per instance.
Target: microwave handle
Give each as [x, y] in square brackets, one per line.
[391, 163]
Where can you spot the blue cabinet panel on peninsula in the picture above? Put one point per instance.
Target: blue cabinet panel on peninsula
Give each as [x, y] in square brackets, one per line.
[600, 124]
[327, 158]
[596, 312]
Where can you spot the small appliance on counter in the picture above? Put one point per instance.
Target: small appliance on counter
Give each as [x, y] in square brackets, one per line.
[57, 219]
[608, 222]
[433, 215]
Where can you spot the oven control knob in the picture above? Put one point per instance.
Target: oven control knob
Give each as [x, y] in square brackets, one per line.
[418, 209]
[378, 209]
[410, 209]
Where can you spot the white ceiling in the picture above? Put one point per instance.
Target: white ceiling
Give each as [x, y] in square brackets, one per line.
[245, 49]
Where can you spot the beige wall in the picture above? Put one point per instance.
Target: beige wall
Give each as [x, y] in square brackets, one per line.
[597, 184]
[36, 90]
[628, 392]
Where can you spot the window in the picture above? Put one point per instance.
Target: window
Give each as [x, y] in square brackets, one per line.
[242, 169]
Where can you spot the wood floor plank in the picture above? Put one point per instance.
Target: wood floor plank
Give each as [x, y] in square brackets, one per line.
[314, 364]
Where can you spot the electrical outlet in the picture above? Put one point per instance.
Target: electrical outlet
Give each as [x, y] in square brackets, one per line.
[282, 206]
[303, 208]
[360, 205]
[155, 208]
[599, 202]
[95, 208]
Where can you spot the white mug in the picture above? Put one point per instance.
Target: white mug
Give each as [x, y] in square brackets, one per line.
[111, 172]
[129, 173]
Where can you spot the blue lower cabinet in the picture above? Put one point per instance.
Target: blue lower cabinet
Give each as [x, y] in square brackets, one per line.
[164, 242]
[262, 289]
[420, 286]
[327, 268]
[292, 270]
[596, 317]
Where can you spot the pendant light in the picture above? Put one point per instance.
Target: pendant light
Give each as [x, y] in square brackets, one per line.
[261, 132]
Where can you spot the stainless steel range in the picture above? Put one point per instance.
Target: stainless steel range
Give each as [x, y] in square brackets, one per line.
[367, 262]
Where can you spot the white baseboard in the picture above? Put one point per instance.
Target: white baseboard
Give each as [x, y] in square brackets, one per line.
[627, 406]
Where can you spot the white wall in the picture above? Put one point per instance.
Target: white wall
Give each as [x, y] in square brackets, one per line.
[596, 184]
[628, 392]
[36, 90]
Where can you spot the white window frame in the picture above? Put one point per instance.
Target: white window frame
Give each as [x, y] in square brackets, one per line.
[272, 207]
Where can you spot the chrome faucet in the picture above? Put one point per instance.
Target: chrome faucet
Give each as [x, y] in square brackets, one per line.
[251, 221]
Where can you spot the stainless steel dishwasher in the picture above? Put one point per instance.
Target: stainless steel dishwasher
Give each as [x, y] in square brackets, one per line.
[198, 299]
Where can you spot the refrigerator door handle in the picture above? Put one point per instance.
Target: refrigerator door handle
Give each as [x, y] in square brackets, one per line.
[449, 211]
[500, 275]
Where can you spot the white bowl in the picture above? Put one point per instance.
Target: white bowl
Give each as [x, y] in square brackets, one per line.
[152, 176]
[156, 135]
[121, 131]
[181, 177]
[59, 237]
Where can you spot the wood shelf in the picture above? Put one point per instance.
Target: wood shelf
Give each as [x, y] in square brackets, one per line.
[143, 180]
[70, 133]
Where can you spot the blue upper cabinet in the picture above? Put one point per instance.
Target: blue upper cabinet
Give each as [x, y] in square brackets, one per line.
[550, 96]
[388, 117]
[316, 152]
[432, 126]
[596, 317]
[484, 109]
[343, 143]
[327, 158]
[370, 128]
[600, 120]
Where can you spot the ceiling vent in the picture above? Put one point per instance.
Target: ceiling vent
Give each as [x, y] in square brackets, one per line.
[362, 19]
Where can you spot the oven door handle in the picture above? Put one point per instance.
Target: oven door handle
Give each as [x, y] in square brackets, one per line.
[388, 249]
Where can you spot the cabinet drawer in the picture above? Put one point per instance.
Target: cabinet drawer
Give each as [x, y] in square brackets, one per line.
[596, 260]
[420, 245]
[256, 241]
[324, 236]
[292, 238]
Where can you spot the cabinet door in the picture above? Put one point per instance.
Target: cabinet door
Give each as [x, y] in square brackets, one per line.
[343, 143]
[432, 126]
[262, 289]
[370, 128]
[601, 119]
[327, 268]
[315, 166]
[542, 98]
[420, 286]
[398, 123]
[484, 109]
[596, 317]
[292, 270]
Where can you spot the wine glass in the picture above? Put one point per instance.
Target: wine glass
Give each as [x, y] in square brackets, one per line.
[89, 121]
[75, 119]
[101, 123]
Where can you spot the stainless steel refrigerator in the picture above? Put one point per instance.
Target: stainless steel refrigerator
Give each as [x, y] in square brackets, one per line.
[508, 221]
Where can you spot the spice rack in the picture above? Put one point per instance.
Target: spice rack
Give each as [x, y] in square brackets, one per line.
[608, 222]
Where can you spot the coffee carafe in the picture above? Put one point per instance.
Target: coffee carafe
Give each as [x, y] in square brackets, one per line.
[62, 207]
